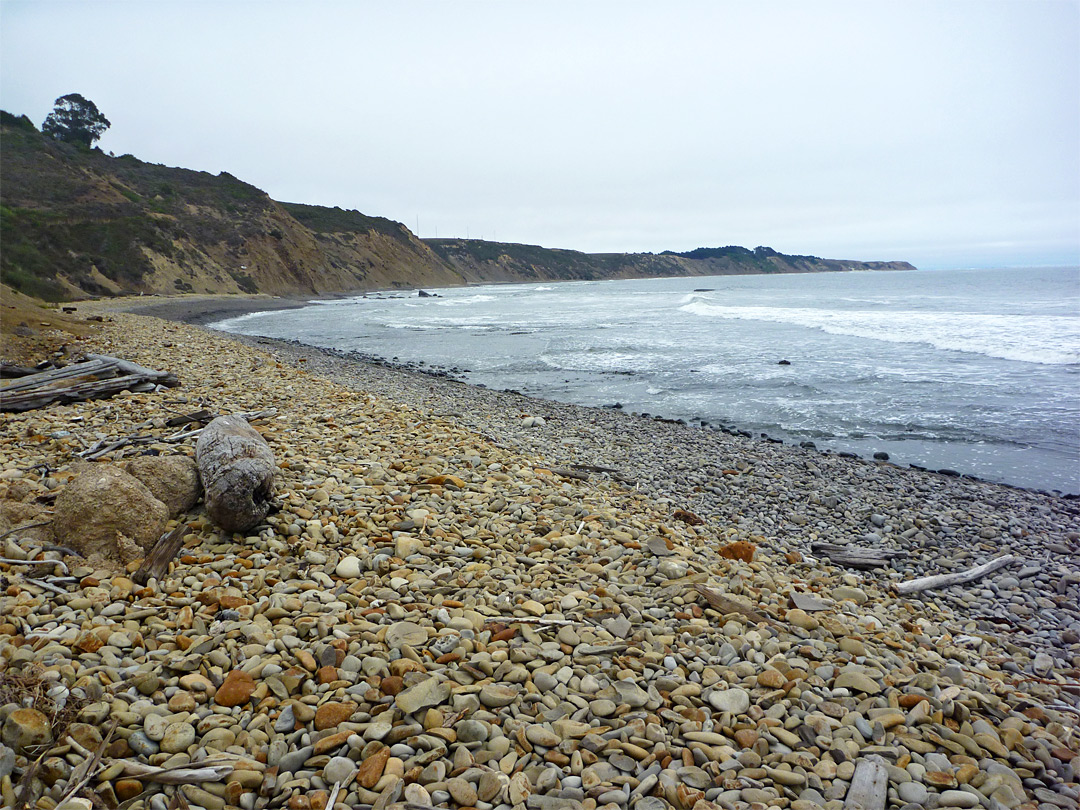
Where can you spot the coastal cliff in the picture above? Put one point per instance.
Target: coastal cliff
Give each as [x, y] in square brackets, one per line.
[479, 261]
[77, 222]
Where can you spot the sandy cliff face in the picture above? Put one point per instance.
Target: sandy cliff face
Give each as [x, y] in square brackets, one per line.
[76, 222]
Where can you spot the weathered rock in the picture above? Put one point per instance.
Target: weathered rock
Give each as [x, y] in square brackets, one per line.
[26, 730]
[108, 514]
[174, 480]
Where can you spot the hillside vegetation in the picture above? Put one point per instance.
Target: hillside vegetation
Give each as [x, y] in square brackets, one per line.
[76, 222]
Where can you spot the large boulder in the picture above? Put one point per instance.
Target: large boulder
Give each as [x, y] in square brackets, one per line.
[174, 480]
[108, 514]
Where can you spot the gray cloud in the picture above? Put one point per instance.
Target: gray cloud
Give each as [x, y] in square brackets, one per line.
[944, 133]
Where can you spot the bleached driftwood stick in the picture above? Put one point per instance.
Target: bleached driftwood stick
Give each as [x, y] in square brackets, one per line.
[869, 786]
[960, 577]
[724, 604]
[186, 775]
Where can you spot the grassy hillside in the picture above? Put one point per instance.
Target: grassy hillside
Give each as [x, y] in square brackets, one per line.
[76, 222]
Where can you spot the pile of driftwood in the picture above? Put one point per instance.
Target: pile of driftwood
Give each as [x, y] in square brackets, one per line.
[98, 376]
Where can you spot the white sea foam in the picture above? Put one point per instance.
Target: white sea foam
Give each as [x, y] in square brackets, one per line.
[1050, 340]
[468, 300]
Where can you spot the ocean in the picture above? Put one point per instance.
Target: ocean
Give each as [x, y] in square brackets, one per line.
[975, 371]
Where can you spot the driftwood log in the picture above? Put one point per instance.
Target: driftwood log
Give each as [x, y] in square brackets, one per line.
[856, 557]
[960, 577]
[99, 376]
[237, 470]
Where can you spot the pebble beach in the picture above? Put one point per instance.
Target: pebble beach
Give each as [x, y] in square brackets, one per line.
[469, 598]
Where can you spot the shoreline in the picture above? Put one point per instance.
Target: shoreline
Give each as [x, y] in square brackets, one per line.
[454, 602]
[205, 310]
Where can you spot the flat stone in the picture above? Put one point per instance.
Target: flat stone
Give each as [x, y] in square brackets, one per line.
[807, 603]
[631, 694]
[332, 714]
[851, 679]
[429, 692]
[405, 634]
[495, 696]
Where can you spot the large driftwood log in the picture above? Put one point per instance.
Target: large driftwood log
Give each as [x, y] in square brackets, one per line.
[99, 376]
[237, 471]
[960, 577]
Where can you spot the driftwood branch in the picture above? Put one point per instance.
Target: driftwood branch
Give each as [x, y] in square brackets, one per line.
[724, 604]
[856, 557]
[565, 472]
[156, 563]
[106, 446]
[184, 775]
[944, 580]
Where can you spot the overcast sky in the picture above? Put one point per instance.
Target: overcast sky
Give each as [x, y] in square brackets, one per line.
[946, 132]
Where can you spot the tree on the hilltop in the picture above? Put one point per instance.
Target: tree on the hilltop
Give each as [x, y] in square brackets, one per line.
[75, 119]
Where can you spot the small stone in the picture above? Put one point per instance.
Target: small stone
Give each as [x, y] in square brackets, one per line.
[178, 737]
[538, 735]
[771, 679]
[602, 707]
[461, 791]
[519, 789]
[495, 696]
[912, 792]
[371, 769]
[847, 592]
[348, 567]
[25, 730]
[800, 618]
[332, 714]
[734, 700]
[236, 689]
[338, 769]
[472, 731]
[957, 798]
